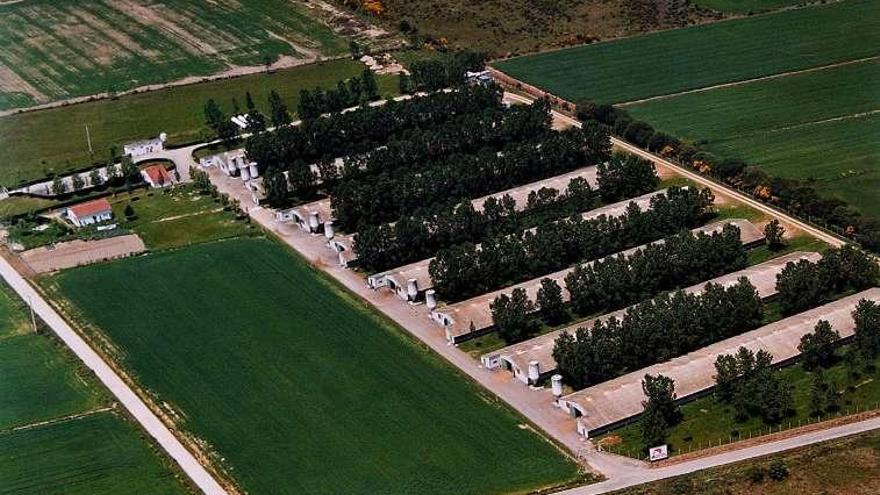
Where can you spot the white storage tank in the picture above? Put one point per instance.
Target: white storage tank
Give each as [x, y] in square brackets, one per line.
[431, 298]
[329, 232]
[556, 381]
[534, 372]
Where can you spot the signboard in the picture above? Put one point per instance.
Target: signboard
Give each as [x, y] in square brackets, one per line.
[658, 453]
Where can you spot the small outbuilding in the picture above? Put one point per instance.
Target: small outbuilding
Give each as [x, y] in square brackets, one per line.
[144, 147]
[90, 212]
[157, 176]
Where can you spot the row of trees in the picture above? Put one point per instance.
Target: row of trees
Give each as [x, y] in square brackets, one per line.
[419, 236]
[805, 284]
[681, 260]
[490, 129]
[795, 195]
[749, 383]
[655, 331]
[459, 177]
[447, 70]
[357, 90]
[364, 129]
[227, 130]
[465, 270]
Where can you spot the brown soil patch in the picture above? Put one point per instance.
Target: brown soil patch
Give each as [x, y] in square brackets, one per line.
[78, 252]
[10, 82]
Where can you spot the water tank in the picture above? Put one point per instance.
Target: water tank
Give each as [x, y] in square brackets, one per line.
[245, 174]
[556, 381]
[534, 372]
[314, 222]
[412, 289]
[253, 170]
[431, 299]
[328, 229]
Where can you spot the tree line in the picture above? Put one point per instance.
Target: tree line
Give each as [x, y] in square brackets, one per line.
[459, 177]
[681, 260]
[806, 284]
[795, 195]
[489, 129]
[421, 235]
[366, 128]
[357, 90]
[655, 331]
[465, 270]
[444, 71]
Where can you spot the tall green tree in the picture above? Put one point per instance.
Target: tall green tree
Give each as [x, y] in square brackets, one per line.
[867, 328]
[818, 348]
[773, 235]
[550, 302]
[513, 316]
[278, 110]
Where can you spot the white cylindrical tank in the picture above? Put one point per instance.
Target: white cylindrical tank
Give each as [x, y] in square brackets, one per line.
[556, 381]
[314, 222]
[245, 173]
[329, 232]
[534, 371]
[431, 298]
[253, 170]
[412, 289]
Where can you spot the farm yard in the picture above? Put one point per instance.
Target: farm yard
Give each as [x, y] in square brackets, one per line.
[55, 50]
[56, 431]
[284, 375]
[53, 141]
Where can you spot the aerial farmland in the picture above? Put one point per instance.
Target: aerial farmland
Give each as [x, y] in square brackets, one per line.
[335, 249]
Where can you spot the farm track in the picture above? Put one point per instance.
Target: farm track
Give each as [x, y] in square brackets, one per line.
[63, 419]
[748, 81]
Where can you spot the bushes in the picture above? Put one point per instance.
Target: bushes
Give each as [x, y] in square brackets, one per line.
[347, 94]
[682, 260]
[467, 270]
[656, 331]
[804, 284]
[444, 71]
[748, 381]
[626, 176]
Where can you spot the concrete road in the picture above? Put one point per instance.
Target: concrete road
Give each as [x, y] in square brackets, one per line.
[125, 395]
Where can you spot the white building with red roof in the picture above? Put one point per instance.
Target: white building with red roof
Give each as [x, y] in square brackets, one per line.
[90, 212]
[157, 176]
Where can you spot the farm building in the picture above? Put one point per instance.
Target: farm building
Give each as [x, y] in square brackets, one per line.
[232, 163]
[602, 407]
[90, 212]
[157, 176]
[536, 355]
[145, 147]
[412, 281]
[520, 195]
[310, 216]
[473, 317]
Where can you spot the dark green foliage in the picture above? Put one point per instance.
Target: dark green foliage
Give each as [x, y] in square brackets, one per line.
[660, 410]
[446, 71]
[867, 328]
[513, 316]
[778, 470]
[357, 90]
[626, 176]
[548, 248]
[805, 284]
[818, 348]
[278, 110]
[748, 381]
[275, 186]
[773, 233]
[656, 331]
[129, 212]
[681, 260]
[823, 394]
[550, 302]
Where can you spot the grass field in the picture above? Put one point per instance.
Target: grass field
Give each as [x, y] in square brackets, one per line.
[295, 385]
[37, 144]
[51, 50]
[849, 465]
[178, 216]
[707, 420]
[679, 60]
[100, 453]
[820, 125]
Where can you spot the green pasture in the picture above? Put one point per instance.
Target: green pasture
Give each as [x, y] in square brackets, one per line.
[747, 6]
[38, 144]
[821, 125]
[683, 59]
[297, 386]
[67, 48]
[178, 216]
[41, 451]
[706, 420]
[98, 454]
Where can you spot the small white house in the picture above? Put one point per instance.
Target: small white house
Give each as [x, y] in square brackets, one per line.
[145, 147]
[90, 212]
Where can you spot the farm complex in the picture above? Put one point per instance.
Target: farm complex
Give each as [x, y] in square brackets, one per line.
[363, 257]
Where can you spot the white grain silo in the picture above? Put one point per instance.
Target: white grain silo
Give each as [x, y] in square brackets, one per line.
[412, 289]
[431, 298]
[556, 381]
[329, 232]
[245, 173]
[314, 222]
[253, 170]
[534, 372]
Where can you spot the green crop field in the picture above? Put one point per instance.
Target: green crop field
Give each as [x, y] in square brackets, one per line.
[56, 436]
[299, 388]
[57, 49]
[37, 144]
[820, 125]
[684, 59]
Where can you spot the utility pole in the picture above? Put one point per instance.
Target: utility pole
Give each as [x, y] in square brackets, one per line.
[89, 139]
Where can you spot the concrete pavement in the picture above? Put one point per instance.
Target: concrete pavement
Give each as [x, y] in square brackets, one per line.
[120, 390]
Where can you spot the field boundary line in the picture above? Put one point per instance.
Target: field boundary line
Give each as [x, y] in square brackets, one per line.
[744, 82]
[113, 381]
[54, 421]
